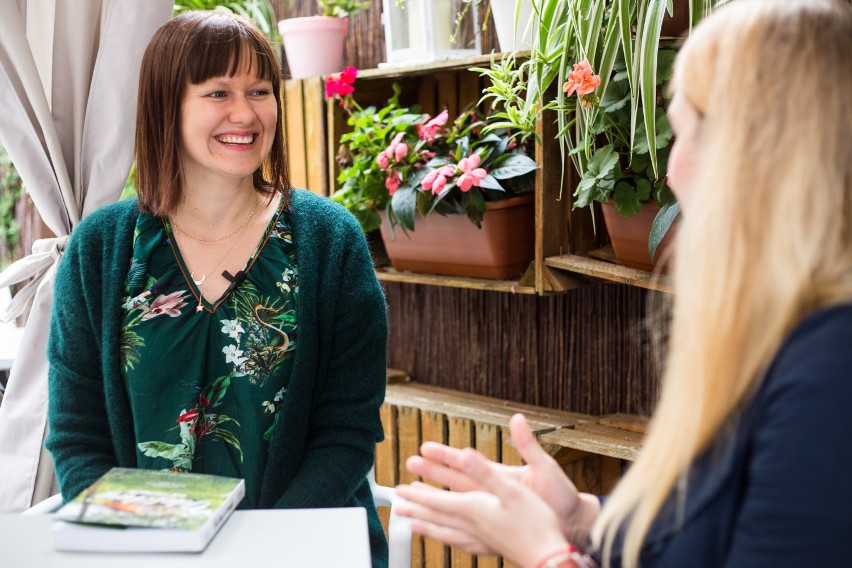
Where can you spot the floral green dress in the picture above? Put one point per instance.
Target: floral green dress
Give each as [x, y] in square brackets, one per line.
[206, 385]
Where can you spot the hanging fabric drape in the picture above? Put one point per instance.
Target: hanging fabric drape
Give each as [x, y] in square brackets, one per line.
[68, 78]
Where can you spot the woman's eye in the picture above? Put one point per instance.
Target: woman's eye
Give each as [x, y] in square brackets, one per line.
[262, 92]
[216, 94]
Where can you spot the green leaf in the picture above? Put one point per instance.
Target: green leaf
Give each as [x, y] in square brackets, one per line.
[229, 438]
[514, 166]
[490, 182]
[626, 200]
[648, 73]
[403, 203]
[603, 162]
[665, 65]
[217, 389]
[643, 188]
[163, 450]
[662, 222]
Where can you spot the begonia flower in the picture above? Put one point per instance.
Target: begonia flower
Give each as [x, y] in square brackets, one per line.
[392, 182]
[471, 174]
[581, 80]
[429, 131]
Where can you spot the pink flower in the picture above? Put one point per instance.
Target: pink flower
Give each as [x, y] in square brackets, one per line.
[169, 305]
[400, 151]
[438, 184]
[429, 131]
[472, 175]
[436, 179]
[392, 182]
[382, 160]
[581, 80]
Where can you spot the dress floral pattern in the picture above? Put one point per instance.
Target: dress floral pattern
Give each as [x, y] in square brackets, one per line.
[207, 388]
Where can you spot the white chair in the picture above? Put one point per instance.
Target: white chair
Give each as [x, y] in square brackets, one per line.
[46, 507]
[399, 531]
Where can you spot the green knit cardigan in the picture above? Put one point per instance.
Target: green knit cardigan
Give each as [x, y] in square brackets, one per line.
[321, 453]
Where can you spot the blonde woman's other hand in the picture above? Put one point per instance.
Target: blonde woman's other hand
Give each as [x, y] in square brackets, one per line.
[503, 516]
[576, 511]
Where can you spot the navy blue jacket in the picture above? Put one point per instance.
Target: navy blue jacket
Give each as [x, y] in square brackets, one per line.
[775, 490]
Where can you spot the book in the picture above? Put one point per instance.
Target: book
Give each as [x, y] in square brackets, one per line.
[143, 510]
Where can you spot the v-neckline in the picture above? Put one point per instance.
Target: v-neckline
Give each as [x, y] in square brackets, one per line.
[201, 301]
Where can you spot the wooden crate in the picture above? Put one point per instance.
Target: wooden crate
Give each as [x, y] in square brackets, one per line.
[592, 450]
[305, 145]
[452, 85]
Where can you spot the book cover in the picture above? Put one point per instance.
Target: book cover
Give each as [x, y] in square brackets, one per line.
[139, 510]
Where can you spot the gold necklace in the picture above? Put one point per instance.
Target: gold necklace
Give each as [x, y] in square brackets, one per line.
[194, 238]
[199, 283]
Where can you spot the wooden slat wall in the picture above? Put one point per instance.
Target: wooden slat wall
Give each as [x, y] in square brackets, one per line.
[586, 350]
[303, 114]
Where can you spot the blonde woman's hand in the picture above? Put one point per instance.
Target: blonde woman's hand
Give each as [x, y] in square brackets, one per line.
[503, 517]
[576, 511]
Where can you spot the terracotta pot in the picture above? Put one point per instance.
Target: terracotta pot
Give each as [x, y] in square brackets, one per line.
[314, 45]
[629, 235]
[452, 245]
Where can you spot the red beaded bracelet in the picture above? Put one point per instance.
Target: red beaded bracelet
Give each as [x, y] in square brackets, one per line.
[569, 557]
[560, 559]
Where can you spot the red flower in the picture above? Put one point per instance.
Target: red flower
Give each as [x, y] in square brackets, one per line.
[188, 416]
[392, 182]
[342, 84]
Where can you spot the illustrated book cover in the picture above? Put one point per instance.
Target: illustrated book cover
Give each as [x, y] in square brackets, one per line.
[138, 510]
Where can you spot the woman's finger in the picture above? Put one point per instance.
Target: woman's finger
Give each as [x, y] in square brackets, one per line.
[455, 479]
[439, 502]
[491, 480]
[525, 442]
[454, 537]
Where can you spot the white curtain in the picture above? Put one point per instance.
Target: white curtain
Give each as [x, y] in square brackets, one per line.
[68, 78]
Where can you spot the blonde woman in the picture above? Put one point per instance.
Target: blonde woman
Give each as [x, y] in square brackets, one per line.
[747, 462]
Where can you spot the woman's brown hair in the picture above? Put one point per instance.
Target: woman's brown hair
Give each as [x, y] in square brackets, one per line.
[190, 49]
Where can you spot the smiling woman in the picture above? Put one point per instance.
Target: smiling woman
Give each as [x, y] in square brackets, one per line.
[207, 327]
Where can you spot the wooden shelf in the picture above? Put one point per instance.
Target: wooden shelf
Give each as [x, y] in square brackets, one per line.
[405, 69]
[514, 286]
[594, 267]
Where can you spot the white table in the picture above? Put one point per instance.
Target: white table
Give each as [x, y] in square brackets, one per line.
[294, 538]
[10, 339]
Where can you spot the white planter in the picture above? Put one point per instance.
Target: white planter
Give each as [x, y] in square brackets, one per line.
[314, 45]
[512, 39]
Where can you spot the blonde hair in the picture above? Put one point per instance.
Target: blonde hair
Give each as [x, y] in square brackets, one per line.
[767, 238]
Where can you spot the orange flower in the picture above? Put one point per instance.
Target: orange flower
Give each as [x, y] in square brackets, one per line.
[581, 80]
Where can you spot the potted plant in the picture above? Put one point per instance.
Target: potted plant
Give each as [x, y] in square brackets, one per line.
[258, 11]
[510, 21]
[314, 44]
[598, 32]
[619, 174]
[419, 178]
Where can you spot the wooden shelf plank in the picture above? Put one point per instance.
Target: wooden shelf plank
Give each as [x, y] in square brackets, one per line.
[597, 439]
[481, 409]
[608, 271]
[513, 286]
[441, 65]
